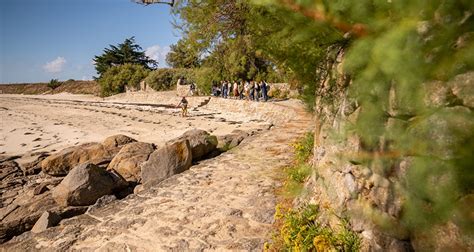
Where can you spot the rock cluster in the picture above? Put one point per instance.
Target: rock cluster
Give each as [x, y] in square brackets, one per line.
[38, 190]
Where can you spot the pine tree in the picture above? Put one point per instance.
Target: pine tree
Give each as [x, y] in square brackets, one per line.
[126, 52]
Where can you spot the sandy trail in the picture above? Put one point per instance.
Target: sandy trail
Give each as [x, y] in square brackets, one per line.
[50, 123]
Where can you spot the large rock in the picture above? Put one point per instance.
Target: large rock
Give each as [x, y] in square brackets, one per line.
[462, 87]
[173, 158]
[21, 215]
[444, 130]
[46, 220]
[231, 140]
[61, 163]
[128, 161]
[84, 185]
[200, 141]
[117, 141]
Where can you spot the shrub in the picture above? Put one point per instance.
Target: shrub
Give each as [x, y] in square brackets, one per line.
[186, 73]
[299, 230]
[166, 78]
[54, 83]
[279, 93]
[204, 78]
[160, 79]
[114, 80]
[304, 147]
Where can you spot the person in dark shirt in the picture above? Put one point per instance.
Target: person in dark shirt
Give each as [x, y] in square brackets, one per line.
[184, 107]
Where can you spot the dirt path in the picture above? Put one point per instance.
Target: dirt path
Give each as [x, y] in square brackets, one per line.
[226, 203]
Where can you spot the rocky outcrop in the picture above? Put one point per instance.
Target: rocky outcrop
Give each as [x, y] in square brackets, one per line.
[231, 140]
[30, 163]
[84, 185]
[129, 160]
[47, 219]
[170, 159]
[22, 214]
[201, 142]
[60, 163]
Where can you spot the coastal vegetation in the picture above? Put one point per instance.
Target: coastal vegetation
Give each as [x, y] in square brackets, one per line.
[299, 228]
[54, 83]
[117, 78]
[380, 58]
[122, 65]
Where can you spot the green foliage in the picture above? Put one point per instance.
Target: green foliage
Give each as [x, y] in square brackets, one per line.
[300, 230]
[160, 79]
[299, 173]
[296, 44]
[390, 50]
[116, 78]
[127, 52]
[166, 78]
[405, 44]
[54, 83]
[182, 55]
[205, 77]
[279, 93]
[226, 46]
[304, 147]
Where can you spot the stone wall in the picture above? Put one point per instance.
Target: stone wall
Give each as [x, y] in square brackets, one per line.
[371, 195]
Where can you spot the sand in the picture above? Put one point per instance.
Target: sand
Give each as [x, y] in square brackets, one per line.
[33, 123]
[226, 203]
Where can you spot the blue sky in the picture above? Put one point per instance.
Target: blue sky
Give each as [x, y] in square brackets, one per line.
[45, 39]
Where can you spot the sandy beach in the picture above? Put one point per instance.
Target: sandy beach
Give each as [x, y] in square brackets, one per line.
[33, 123]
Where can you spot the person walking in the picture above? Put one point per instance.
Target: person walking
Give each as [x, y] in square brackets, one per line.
[257, 90]
[184, 107]
[236, 90]
[264, 90]
[241, 90]
[192, 88]
[224, 89]
[252, 90]
[247, 90]
[229, 88]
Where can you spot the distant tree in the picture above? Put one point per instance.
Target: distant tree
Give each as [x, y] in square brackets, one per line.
[116, 78]
[54, 83]
[182, 55]
[126, 52]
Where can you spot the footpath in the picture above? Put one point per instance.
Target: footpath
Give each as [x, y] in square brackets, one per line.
[224, 203]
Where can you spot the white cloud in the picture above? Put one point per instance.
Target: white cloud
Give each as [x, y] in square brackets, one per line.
[55, 66]
[158, 53]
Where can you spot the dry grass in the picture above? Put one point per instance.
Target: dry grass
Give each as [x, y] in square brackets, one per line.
[73, 87]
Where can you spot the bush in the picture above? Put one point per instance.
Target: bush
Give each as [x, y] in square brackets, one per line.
[186, 73]
[160, 79]
[54, 83]
[299, 230]
[114, 80]
[304, 147]
[204, 78]
[166, 78]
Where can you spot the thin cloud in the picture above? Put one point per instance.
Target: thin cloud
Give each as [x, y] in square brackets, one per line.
[55, 66]
[158, 53]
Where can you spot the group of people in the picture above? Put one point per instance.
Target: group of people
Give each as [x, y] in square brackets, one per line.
[250, 90]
